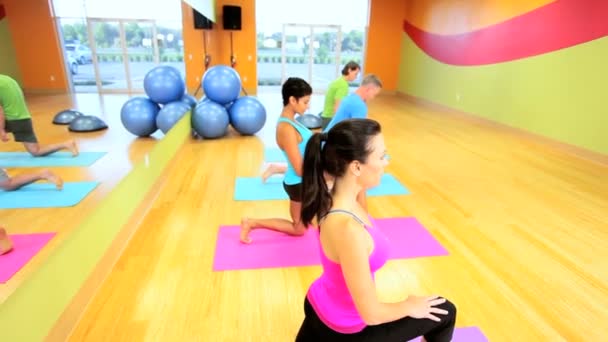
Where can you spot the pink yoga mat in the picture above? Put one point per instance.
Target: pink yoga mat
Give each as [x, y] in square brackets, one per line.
[25, 246]
[269, 249]
[466, 334]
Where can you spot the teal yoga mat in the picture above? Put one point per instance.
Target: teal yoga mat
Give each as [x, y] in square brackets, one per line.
[45, 195]
[274, 155]
[24, 159]
[252, 188]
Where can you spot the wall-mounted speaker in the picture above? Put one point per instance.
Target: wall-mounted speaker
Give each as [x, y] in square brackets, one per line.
[232, 17]
[201, 22]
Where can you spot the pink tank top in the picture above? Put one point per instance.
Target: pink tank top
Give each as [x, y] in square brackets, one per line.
[329, 295]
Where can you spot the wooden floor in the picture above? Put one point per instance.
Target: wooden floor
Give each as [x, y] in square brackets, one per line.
[526, 227]
[123, 152]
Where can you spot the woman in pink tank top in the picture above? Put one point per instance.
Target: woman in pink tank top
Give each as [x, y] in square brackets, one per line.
[341, 305]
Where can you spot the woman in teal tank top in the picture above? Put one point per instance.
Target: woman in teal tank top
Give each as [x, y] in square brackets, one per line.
[292, 138]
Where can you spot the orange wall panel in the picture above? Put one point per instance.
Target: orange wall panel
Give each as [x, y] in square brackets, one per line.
[218, 44]
[36, 45]
[384, 35]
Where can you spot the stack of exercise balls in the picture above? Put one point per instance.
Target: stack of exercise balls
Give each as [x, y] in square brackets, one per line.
[167, 103]
[222, 106]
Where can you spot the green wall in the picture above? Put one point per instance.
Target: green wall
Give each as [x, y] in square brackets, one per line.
[561, 95]
[8, 59]
[32, 310]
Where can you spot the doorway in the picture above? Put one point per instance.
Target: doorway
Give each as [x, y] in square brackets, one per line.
[123, 51]
[311, 52]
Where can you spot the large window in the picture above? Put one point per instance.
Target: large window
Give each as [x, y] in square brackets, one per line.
[110, 45]
[312, 42]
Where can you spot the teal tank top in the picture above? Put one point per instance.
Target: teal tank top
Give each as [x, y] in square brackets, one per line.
[291, 177]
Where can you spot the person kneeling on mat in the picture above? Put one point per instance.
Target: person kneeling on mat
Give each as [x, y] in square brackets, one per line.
[354, 105]
[342, 305]
[8, 183]
[15, 118]
[337, 90]
[291, 137]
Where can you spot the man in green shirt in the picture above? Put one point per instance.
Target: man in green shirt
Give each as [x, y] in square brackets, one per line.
[337, 90]
[15, 118]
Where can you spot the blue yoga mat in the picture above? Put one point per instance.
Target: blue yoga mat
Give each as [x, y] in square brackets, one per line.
[45, 195]
[274, 155]
[252, 188]
[24, 159]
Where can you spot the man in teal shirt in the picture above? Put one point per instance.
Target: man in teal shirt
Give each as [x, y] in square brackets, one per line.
[15, 118]
[337, 90]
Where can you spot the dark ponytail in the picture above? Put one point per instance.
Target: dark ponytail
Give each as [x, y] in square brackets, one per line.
[316, 199]
[347, 141]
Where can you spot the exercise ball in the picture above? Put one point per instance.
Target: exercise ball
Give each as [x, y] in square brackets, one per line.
[221, 84]
[210, 120]
[87, 123]
[66, 116]
[170, 114]
[190, 100]
[310, 121]
[228, 105]
[138, 115]
[203, 99]
[164, 84]
[247, 115]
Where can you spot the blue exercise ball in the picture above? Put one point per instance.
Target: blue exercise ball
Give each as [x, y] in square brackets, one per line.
[228, 105]
[247, 115]
[138, 115]
[190, 100]
[210, 120]
[221, 84]
[310, 121]
[203, 99]
[164, 84]
[170, 114]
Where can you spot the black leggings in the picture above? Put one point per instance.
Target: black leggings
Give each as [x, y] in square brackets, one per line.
[402, 330]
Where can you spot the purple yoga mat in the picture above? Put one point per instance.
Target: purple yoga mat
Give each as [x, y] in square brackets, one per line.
[466, 334]
[25, 246]
[269, 249]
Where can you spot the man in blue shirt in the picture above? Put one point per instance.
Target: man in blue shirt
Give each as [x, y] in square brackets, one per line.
[355, 105]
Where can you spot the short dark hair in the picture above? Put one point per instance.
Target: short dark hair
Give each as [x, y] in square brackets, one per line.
[352, 65]
[296, 87]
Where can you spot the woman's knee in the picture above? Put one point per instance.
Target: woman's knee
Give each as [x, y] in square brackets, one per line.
[450, 308]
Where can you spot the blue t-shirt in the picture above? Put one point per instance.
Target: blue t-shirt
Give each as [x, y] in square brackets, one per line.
[351, 107]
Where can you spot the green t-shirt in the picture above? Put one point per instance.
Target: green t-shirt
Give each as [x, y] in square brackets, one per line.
[337, 90]
[12, 100]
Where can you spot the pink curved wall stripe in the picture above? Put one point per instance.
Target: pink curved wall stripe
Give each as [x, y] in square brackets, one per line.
[558, 25]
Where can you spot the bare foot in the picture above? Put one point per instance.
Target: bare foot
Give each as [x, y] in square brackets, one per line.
[73, 148]
[6, 245]
[245, 229]
[53, 178]
[271, 170]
